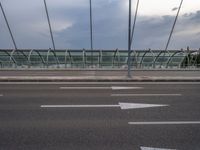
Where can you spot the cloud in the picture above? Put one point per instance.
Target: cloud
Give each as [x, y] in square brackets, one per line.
[174, 9]
[156, 33]
[70, 24]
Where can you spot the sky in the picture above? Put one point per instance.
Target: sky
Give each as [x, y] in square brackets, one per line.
[71, 30]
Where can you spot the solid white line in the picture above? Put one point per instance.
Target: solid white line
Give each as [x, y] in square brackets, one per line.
[146, 95]
[165, 123]
[99, 83]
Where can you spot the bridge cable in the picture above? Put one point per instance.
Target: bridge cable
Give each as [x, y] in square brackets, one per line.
[172, 30]
[134, 23]
[133, 29]
[50, 29]
[12, 37]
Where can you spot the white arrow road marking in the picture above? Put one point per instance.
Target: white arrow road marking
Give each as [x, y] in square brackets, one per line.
[145, 95]
[100, 88]
[121, 105]
[165, 123]
[151, 148]
[138, 105]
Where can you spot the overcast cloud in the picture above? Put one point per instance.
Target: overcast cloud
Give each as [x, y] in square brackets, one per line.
[70, 23]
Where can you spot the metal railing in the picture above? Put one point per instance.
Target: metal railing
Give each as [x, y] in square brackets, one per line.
[141, 59]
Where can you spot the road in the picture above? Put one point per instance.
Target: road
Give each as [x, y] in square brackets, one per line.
[92, 119]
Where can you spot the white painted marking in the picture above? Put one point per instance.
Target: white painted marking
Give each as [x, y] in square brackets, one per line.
[1, 95]
[165, 123]
[123, 106]
[125, 88]
[100, 88]
[77, 106]
[137, 105]
[151, 148]
[100, 83]
[120, 95]
[84, 88]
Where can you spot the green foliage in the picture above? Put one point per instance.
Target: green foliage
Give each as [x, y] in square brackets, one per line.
[191, 60]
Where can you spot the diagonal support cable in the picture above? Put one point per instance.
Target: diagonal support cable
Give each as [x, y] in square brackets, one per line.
[134, 23]
[172, 30]
[12, 37]
[51, 33]
[133, 30]
[50, 29]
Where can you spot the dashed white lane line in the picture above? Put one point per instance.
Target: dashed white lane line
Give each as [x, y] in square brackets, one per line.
[125, 88]
[85, 88]
[101, 88]
[151, 148]
[131, 95]
[165, 123]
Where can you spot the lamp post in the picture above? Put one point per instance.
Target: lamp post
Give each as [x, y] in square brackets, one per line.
[91, 32]
[129, 41]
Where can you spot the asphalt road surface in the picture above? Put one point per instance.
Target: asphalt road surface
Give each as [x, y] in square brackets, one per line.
[99, 116]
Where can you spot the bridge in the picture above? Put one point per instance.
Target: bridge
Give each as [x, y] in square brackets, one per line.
[84, 99]
[94, 58]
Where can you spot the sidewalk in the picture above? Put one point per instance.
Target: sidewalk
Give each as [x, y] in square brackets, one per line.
[99, 76]
[98, 79]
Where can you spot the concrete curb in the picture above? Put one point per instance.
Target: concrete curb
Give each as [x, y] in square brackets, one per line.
[98, 79]
[98, 69]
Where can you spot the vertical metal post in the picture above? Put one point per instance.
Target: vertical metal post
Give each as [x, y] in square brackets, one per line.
[13, 40]
[129, 41]
[188, 57]
[52, 39]
[91, 31]
[198, 58]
